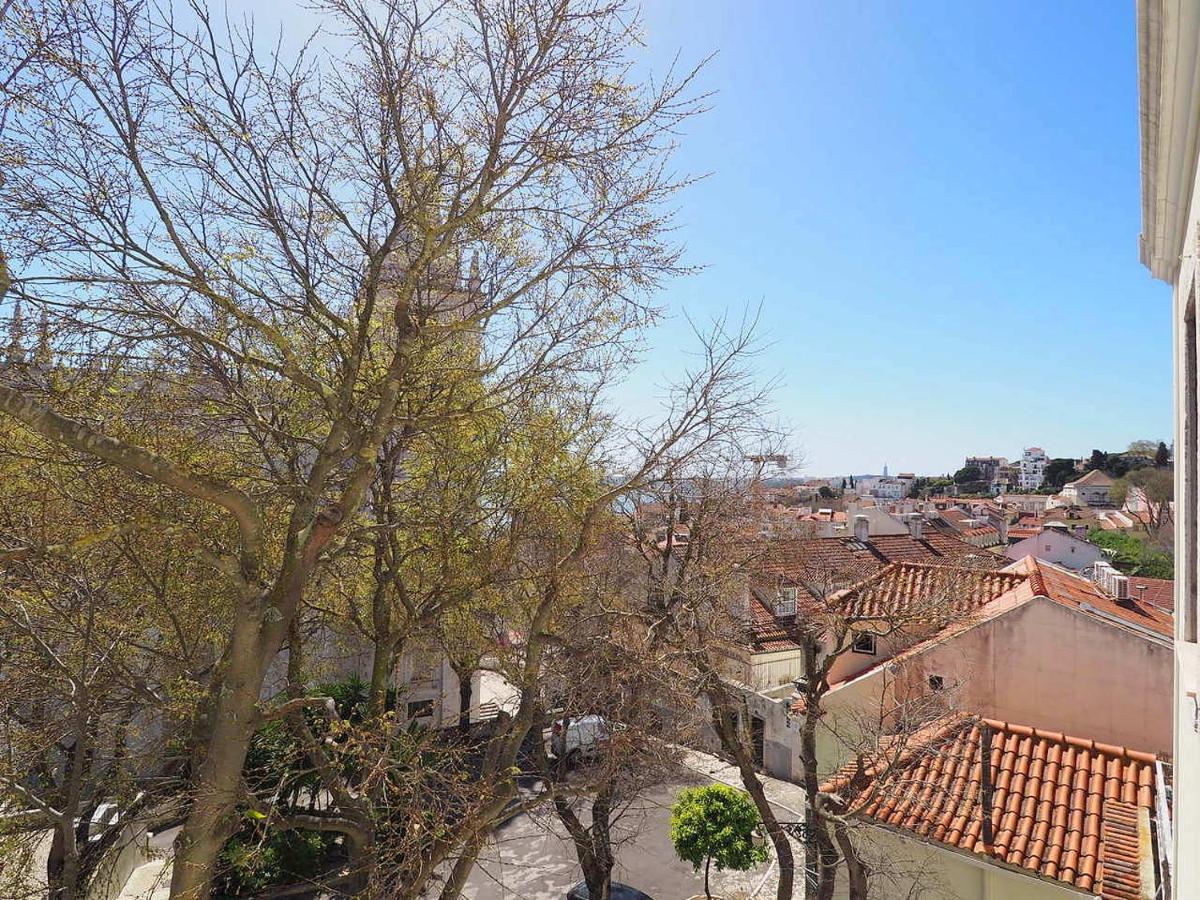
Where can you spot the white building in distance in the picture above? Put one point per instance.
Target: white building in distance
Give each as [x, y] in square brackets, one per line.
[1031, 469]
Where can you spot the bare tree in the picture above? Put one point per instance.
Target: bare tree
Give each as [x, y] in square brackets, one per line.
[283, 234]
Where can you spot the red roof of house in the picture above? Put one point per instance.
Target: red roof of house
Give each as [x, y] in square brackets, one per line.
[1076, 591]
[1061, 807]
[767, 633]
[1157, 591]
[909, 588]
[1016, 532]
[823, 566]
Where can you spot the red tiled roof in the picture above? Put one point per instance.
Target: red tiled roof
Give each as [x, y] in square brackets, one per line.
[908, 588]
[1076, 591]
[1157, 591]
[842, 560]
[823, 566]
[767, 633]
[1020, 532]
[1061, 807]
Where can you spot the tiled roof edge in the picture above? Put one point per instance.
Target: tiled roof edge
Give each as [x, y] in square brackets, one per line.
[1082, 743]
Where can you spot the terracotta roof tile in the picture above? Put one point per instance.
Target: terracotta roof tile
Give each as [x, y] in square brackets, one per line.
[1063, 807]
[1158, 592]
[823, 566]
[908, 588]
[1076, 591]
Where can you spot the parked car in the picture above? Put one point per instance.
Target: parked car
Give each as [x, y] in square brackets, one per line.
[616, 892]
[583, 738]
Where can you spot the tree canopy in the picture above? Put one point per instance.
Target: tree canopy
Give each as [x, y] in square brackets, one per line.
[715, 824]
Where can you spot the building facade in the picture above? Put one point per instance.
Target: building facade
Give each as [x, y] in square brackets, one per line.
[988, 466]
[1091, 490]
[1031, 469]
[1169, 112]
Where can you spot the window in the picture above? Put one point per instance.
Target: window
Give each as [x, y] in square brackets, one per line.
[785, 603]
[937, 683]
[864, 643]
[420, 709]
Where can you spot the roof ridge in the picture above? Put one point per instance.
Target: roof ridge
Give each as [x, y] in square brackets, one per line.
[1059, 738]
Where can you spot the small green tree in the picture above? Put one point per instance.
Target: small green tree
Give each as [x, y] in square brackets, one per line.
[715, 823]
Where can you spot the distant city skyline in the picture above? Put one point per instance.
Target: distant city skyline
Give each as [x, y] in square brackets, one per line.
[894, 470]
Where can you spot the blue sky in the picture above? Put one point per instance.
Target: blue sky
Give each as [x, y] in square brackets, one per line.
[937, 207]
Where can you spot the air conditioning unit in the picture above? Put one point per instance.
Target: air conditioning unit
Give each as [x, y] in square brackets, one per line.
[1103, 574]
[1120, 587]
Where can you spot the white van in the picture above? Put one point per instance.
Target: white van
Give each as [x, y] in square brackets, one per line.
[584, 738]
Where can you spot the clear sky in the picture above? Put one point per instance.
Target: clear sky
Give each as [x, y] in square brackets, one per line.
[937, 207]
[935, 204]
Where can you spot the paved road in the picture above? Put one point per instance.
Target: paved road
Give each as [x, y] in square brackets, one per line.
[530, 858]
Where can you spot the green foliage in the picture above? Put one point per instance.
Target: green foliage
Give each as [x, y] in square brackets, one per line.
[1058, 472]
[1121, 464]
[968, 474]
[1143, 448]
[716, 823]
[826, 492]
[349, 697]
[252, 862]
[1162, 456]
[1133, 556]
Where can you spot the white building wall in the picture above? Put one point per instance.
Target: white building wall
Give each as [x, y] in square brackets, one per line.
[1169, 107]
[1039, 664]
[1052, 545]
[903, 867]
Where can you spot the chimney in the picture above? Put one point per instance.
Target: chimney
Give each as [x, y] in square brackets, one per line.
[915, 524]
[862, 528]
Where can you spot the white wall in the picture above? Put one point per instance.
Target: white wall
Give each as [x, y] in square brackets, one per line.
[1052, 545]
[907, 868]
[1046, 665]
[1039, 664]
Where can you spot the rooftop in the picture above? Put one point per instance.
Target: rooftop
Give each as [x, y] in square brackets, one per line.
[1061, 807]
[1158, 592]
[1078, 592]
[1094, 478]
[909, 589]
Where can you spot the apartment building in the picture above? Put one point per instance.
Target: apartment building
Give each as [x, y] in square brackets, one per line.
[1031, 469]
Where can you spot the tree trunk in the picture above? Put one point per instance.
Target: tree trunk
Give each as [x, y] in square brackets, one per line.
[381, 676]
[707, 866]
[818, 846]
[859, 870]
[217, 784]
[465, 691]
[600, 883]
[732, 743]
